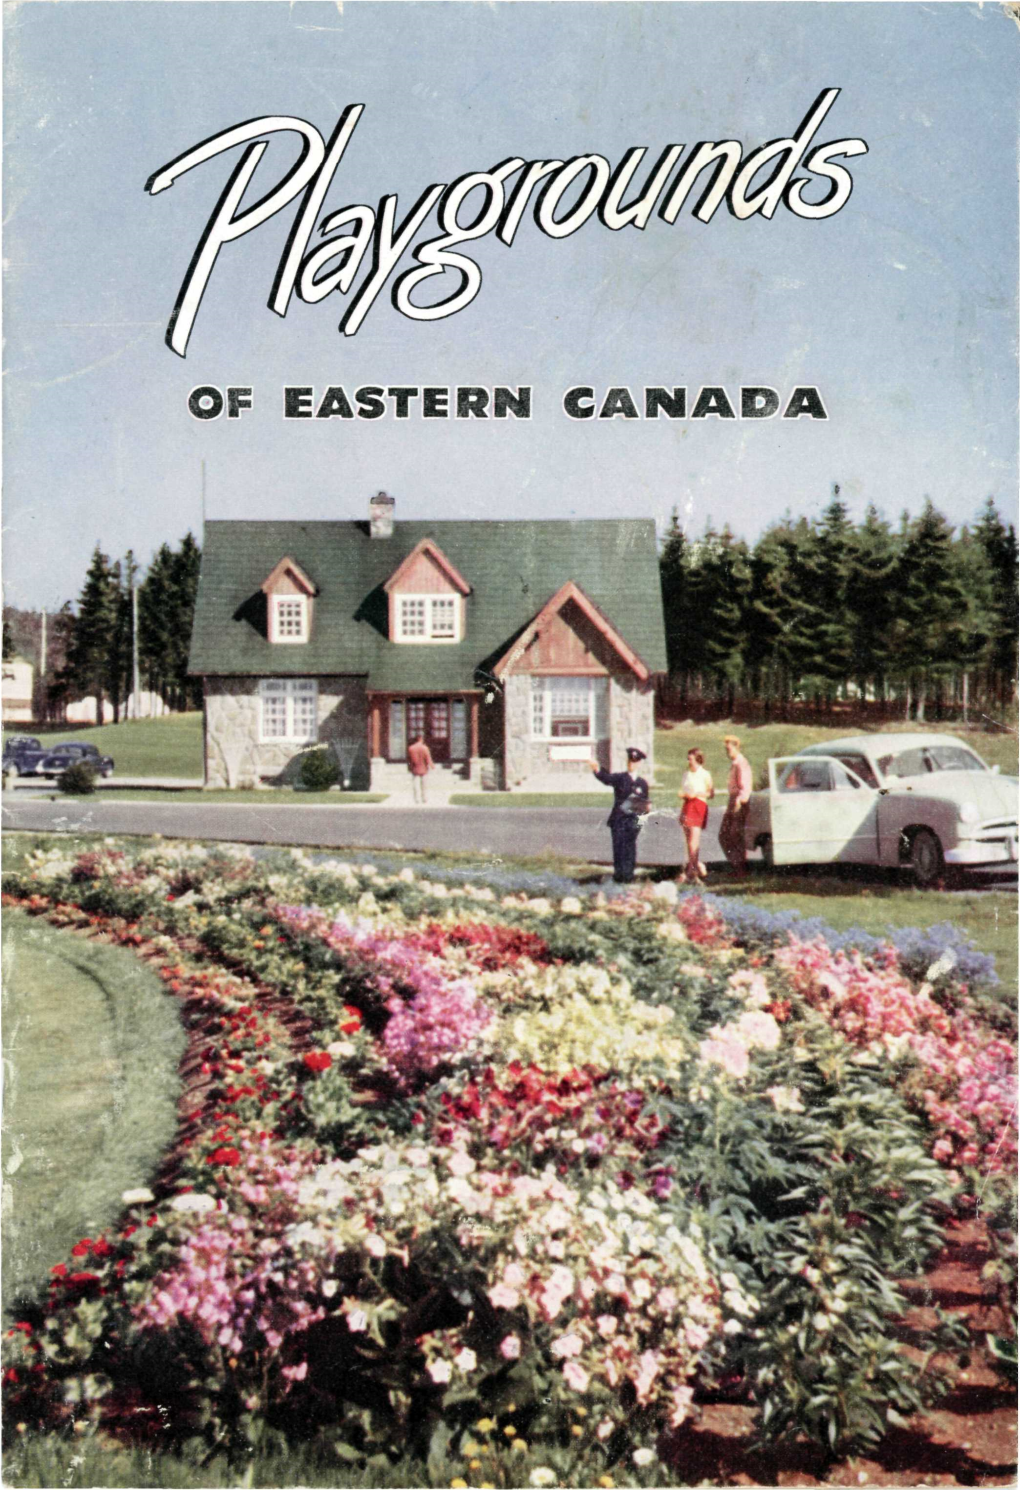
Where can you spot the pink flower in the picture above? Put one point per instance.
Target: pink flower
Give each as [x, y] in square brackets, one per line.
[510, 1347]
[461, 1163]
[607, 1324]
[575, 1376]
[648, 1370]
[295, 1373]
[567, 1345]
[502, 1297]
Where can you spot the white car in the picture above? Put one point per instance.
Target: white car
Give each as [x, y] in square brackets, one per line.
[919, 801]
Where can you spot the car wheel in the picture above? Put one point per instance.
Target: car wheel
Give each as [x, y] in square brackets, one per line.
[106, 772]
[767, 856]
[926, 862]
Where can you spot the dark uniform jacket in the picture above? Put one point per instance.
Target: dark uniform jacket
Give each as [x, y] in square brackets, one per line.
[625, 786]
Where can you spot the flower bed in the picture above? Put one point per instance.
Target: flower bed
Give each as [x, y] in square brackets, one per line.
[504, 1179]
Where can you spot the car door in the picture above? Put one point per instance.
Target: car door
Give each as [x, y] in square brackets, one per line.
[821, 813]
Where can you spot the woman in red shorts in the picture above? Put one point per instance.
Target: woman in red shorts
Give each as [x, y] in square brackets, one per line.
[696, 790]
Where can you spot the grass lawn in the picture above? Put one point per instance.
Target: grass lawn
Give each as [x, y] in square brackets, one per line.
[170, 746]
[91, 1046]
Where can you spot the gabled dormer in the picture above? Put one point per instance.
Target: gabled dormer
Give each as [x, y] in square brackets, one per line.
[426, 598]
[289, 599]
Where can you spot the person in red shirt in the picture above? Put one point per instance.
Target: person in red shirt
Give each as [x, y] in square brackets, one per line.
[419, 763]
[732, 832]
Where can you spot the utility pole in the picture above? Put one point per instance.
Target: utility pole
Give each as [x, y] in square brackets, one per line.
[203, 499]
[42, 648]
[134, 650]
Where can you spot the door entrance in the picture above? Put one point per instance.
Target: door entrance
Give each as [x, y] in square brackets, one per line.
[430, 717]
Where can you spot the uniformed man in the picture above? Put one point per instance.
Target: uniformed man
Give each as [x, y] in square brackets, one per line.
[630, 803]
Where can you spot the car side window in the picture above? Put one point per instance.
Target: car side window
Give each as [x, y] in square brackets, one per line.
[806, 776]
[861, 767]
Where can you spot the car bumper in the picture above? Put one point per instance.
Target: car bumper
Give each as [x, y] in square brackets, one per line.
[1001, 851]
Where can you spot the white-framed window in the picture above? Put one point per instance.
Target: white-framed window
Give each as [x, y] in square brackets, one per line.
[569, 708]
[428, 618]
[289, 709]
[289, 619]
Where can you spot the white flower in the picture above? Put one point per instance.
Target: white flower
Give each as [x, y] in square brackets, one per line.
[193, 1204]
[643, 1457]
[543, 1476]
[440, 1371]
[570, 906]
[357, 1322]
[138, 1197]
[466, 1360]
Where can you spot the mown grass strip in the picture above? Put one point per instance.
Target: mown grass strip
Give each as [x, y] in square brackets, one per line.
[91, 1049]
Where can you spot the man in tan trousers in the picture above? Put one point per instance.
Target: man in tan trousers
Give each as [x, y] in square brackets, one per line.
[419, 763]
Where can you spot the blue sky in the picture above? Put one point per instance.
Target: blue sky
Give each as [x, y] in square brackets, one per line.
[901, 309]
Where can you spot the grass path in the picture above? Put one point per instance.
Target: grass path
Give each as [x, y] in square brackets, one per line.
[91, 1047]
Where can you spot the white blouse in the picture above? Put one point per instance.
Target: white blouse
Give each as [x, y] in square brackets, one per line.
[697, 783]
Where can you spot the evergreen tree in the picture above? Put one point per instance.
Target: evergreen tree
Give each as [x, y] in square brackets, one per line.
[930, 632]
[673, 561]
[999, 544]
[88, 658]
[871, 602]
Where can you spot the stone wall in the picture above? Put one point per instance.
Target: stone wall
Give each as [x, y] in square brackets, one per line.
[234, 755]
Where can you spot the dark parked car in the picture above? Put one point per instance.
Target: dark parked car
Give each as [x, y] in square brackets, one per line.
[69, 754]
[18, 750]
[53, 759]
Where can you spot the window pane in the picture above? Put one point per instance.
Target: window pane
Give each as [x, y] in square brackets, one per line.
[274, 716]
[412, 617]
[306, 721]
[415, 720]
[439, 720]
[537, 708]
[443, 616]
[458, 730]
[398, 740]
[290, 617]
[570, 707]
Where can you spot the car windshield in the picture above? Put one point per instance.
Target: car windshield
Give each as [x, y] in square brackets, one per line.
[922, 759]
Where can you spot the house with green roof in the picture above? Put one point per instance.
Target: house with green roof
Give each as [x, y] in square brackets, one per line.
[517, 650]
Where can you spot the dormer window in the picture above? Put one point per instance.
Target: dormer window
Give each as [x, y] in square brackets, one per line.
[289, 596]
[428, 618]
[426, 595]
[289, 622]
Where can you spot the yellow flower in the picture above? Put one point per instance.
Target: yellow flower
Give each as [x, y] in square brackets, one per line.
[510, 1430]
[458, 1484]
[485, 1425]
[606, 1481]
[519, 1446]
[577, 1430]
[475, 1464]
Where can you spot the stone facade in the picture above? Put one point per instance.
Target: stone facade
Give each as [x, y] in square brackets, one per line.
[234, 755]
[527, 763]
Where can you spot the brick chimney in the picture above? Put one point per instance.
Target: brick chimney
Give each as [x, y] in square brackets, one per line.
[380, 515]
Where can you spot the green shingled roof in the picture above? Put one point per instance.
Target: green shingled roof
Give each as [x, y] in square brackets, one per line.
[512, 567]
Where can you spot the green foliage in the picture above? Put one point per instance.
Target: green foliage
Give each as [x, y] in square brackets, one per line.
[78, 780]
[319, 770]
[822, 610]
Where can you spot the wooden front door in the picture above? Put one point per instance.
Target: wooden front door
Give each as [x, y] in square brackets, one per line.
[430, 717]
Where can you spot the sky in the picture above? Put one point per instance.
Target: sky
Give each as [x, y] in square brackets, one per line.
[901, 309]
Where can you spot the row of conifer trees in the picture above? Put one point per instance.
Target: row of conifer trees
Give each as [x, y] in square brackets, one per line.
[917, 619]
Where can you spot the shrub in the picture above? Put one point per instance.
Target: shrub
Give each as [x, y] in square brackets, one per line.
[79, 780]
[319, 770]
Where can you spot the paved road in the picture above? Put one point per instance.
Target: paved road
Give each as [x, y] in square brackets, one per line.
[574, 832]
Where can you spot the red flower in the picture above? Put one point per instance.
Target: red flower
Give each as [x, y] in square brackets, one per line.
[83, 1278]
[60, 1271]
[318, 1060]
[224, 1156]
[101, 1247]
[81, 1249]
[352, 1024]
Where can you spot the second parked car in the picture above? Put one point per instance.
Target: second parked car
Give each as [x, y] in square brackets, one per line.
[52, 760]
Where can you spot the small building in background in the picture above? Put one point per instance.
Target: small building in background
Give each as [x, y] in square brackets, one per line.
[18, 678]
